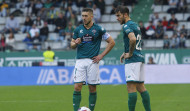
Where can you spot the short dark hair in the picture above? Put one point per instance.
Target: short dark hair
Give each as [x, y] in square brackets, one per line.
[87, 10]
[122, 9]
[48, 48]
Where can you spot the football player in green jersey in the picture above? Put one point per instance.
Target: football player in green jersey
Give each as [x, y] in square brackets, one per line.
[134, 60]
[87, 39]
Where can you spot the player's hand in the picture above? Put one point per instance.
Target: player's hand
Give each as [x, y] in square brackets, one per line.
[78, 41]
[96, 59]
[122, 57]
[127, 55]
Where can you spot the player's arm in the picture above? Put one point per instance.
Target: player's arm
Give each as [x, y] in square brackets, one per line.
[132, 44]
[110, 45]
[74, 42]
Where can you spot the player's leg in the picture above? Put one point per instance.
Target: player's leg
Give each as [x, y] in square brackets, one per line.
[77, 96]
[92, 97]
[93, 78]
[132, 95]
[142, 90]
[79, 78]
[131, 79]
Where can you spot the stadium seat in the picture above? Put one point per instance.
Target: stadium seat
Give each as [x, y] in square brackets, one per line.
[168, 16]
[165, 8]
[149, 43]
[114, 34]
[53, 36]
[113, 18]
[159, 43]
[105, 18]
[51, 27]
[182, 23]
[158, 8]
[108, 9]
[187, 43]
[117, 26]
[20, 37]
[179, 16]
[109, 2]
[20, 19]
[169, 33]
[186, 15]
[20, 46]
[188, 25]
[2, 20]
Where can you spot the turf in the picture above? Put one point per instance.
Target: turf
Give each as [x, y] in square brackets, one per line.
[165, 97]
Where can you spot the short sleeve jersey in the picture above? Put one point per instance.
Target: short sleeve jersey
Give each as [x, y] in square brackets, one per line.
[90, 40]
[129, 27]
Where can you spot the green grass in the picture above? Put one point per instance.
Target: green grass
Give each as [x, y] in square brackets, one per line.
[166, 97]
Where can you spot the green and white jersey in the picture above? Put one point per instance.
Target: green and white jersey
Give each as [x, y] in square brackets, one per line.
[129, 27]
[91, 40]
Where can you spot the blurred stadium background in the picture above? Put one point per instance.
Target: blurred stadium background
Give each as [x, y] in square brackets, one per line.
[27, 83]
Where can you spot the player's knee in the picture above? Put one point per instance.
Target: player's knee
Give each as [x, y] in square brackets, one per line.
[92, 88]
[141, 88]
[78, 87]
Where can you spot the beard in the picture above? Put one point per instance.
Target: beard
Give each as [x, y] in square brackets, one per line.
[87, 22]
[123, 21]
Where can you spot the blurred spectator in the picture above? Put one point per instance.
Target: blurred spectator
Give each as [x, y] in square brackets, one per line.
[60, 24]
[89, 4]
[3, 9]
[52, 15]
[33, 30]
[2, 42]
[36, 6]
[42, 14]
[158, 2]
[182, 40]
[27, 25]
[183, 30]
[69, 31]
[173, 6]
[63, 4]
[101, 5]
[12, 25]
[97, 14]
[159, 32]
[182, 6]
[21, 4]
[143, 30]
[175, 41]
[44, 31]
[112, 10]
[165, 23]
[151, 60]
[166, 42]
[155, 18]
[48, 4]
[57, 3]
[49, 55]
[172, 22]
[28, 41]
[74, 20]
[10, 42]
[36, 42]
[39, 22]
[150, 30]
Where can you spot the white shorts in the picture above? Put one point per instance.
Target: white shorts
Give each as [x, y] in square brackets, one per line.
[86, 71]
[134, 72]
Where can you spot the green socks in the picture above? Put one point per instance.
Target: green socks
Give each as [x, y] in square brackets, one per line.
[132, 99]
[146, 100]
[92, 100]
[76, 100]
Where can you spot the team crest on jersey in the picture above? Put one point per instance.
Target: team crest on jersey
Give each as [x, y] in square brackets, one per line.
[128, 30]
[81, 31]
[125, 26]
[94, 31]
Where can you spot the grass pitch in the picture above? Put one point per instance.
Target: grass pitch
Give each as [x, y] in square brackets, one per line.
[164, 97]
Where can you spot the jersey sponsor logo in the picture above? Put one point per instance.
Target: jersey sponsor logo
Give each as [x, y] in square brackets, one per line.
[81, 31]
[87, 38]
[127, 31]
